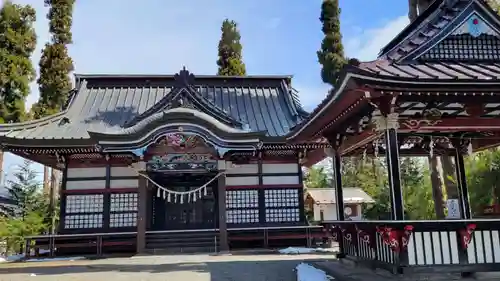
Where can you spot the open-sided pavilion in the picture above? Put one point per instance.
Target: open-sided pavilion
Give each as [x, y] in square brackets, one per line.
[435, 88]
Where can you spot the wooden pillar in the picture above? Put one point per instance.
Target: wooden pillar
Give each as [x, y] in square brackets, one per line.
[463, 190]
[221, 210]
[388, 125]
[141, 215]
[392, 158]
[337, 178]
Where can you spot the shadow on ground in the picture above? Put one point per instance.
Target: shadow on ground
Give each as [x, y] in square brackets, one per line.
[260, 269]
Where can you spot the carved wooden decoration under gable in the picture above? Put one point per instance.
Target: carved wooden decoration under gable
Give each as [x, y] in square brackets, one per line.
[181, 152]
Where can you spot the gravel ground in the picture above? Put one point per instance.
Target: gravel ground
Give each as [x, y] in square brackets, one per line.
[201, 267]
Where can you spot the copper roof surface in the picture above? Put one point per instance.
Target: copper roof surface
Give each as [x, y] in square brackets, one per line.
[108, 103]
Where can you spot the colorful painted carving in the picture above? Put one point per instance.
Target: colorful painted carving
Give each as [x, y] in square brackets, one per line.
[185, 161]
[180, 141]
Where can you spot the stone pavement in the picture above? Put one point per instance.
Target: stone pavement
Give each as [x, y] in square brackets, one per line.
[346, 271]
[199, 267]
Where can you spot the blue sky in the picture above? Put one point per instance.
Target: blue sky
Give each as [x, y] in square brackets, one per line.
[161, 36]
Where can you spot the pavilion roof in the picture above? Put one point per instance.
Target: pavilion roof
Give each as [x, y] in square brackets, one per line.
[118, 104]
[454, 44]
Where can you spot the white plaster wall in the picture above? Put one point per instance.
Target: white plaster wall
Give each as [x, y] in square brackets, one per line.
[330, 212]
[243, 169]
[86, 172]
[123, 172]
[124, 183]
[269, 168]
[85, 184]
[236, 181]
[278, 180]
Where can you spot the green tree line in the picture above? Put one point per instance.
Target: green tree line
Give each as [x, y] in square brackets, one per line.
[482, 172]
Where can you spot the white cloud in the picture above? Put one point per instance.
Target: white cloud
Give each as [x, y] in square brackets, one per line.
[116, 38]
[366, 45]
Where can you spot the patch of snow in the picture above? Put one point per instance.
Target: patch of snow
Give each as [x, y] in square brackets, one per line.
[306, 272]
[299, 250]
[11, 258]
[56, 259]
[18, 257]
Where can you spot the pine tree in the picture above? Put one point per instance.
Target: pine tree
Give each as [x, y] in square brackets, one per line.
[331, 56]
[56, 64]
[230, 60]
[25, 192]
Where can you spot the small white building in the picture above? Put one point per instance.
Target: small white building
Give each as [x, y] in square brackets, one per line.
[321, 201]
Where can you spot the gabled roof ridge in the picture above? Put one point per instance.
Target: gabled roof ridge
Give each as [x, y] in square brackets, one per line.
[169, 98]
[425, 28]
[411, 28]
[171, 76]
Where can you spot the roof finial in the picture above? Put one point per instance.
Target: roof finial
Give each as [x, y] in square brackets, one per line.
[184, 78]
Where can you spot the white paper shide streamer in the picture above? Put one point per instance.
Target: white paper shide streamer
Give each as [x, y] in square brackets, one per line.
[181, 197]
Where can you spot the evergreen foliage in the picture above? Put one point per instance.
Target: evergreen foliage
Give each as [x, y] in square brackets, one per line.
[28, 215]
[331, 55]
[317, 177]
[230, 60]
[26, 193]
[55, 63]
[17, 43]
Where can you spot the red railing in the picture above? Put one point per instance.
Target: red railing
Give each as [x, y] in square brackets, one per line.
[416, 246]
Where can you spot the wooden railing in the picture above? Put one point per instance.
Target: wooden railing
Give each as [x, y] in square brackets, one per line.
[421, 246]
[88, 244]
[97, 244]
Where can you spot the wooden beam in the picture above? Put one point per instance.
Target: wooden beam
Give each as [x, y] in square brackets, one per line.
[455, 124]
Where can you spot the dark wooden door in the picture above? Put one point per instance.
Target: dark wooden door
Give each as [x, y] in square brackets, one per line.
[200, 214]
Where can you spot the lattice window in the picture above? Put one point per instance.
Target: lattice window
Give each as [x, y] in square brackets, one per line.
[465, 47]
[242, 216]
[123, 202]
[282, 205]
[123, 220]
[242, 199]
[242, 206]
[84, 203]
[281, 197]
[282, 215]
[83, 221]
[123, 208]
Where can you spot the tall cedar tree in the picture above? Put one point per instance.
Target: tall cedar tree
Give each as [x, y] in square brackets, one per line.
[230, 60]
[56, 64]
[331, 56]
[17, 43]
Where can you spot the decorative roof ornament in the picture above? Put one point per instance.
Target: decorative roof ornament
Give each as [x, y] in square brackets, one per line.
[475, 26]
[245, 127]
[184, 78]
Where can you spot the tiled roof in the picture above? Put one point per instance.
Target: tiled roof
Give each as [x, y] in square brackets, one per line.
[425, 28]
[107, 103]
[327, 195]
[434, 70]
